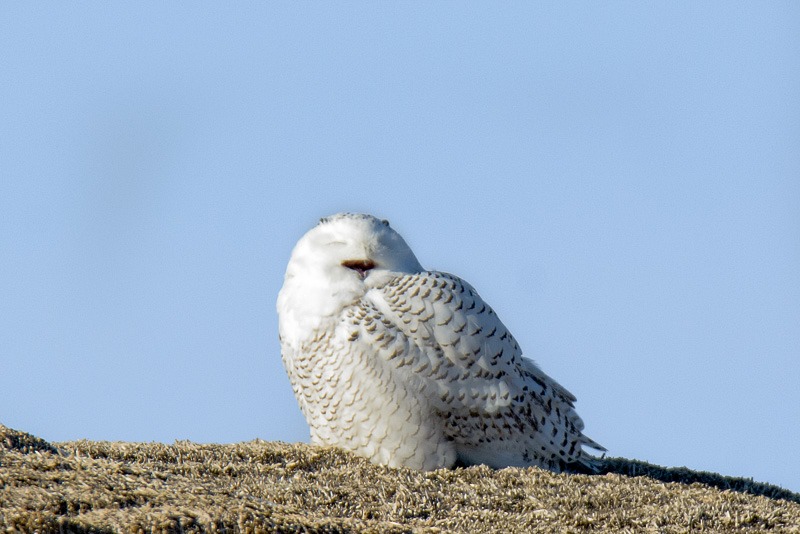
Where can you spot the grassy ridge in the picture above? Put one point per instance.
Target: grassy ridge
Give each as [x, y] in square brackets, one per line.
[262, 486]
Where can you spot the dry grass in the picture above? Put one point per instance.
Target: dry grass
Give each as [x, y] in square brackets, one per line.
[259, 486]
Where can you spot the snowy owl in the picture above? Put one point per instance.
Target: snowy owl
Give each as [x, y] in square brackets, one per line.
[409, 367]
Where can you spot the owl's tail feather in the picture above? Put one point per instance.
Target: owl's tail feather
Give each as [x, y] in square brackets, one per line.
[588, 464]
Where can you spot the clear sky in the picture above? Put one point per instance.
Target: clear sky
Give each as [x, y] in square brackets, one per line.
[621, 181]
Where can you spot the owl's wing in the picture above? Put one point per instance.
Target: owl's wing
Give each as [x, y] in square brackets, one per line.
[440, 335]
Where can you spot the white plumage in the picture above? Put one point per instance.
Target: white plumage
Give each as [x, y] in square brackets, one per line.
[409, 367]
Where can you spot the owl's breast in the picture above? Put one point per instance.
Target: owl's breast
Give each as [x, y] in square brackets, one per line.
[354, 399]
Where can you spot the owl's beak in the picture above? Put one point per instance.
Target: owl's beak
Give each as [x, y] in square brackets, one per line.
[362, 267]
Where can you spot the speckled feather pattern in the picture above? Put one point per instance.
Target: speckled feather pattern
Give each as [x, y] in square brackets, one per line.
[413, 368]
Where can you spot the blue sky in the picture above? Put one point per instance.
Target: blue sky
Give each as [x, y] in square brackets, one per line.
[620, 181]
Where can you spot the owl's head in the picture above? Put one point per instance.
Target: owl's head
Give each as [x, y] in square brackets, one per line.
[336, 263]
[352, 246]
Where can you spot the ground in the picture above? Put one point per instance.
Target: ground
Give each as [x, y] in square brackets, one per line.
[260, 486]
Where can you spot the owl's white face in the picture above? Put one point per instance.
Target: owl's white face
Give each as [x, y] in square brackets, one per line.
[334, 264]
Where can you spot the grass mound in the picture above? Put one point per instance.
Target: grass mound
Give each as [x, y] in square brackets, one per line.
[258, 486]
